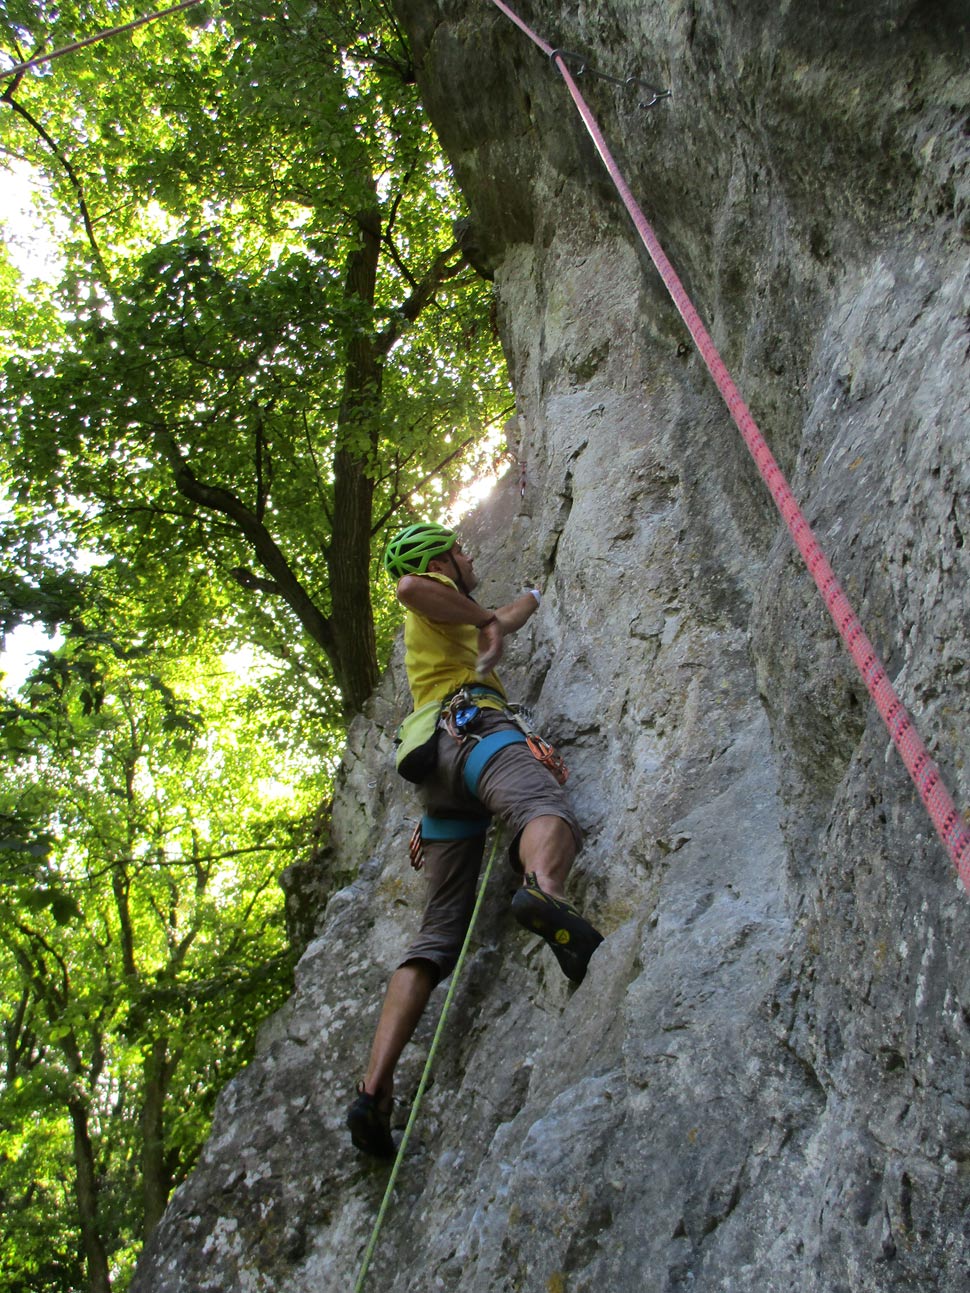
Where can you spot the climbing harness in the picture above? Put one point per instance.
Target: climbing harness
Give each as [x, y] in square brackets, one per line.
[435, 830]
[20, 68]
[950, 825]
[419, 1094]
[458, 719]
[486, 748]
[457, 715]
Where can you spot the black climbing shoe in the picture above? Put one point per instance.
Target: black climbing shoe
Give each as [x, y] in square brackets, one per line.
[572, 938]
[370, 1126]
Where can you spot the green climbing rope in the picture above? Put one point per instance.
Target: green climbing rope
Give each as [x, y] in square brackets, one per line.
[419, 1095]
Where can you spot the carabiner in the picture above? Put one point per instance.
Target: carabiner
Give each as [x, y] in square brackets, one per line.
[548, 757]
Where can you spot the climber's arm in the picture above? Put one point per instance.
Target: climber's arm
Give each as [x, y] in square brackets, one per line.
[514, 615]
[446, 605]
[440, 602]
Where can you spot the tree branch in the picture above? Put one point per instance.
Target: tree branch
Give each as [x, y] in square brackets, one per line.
[316, 467]
[424, 293]
[72, 175]
[216, 499]
[254, 583]
[402, 498]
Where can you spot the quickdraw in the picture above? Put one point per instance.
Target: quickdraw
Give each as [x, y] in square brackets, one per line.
[541, 749]
[549, 757]
[584, 69]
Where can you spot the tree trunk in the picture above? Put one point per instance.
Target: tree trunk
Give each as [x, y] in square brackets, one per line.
[155, 1178]
[346, 633]
[86, 1195]
[358, 420]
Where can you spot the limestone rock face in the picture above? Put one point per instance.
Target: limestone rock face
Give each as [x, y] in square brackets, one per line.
[763, 1082]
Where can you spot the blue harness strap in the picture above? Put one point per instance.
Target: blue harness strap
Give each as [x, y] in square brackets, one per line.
[484, 752]
[439, 829]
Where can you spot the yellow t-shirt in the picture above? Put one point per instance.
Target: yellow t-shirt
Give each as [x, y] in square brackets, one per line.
[440, 658]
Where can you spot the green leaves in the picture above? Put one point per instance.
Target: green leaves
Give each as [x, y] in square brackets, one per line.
[62, 906]
[273, 333]
[141, 927]
[263, 350]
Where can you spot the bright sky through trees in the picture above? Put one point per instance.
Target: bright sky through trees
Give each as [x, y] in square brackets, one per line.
[29, 246]
[34, 254]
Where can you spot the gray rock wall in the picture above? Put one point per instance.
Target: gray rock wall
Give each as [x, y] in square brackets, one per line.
[763, 1082]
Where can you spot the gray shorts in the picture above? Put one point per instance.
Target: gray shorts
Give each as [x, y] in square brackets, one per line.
[514, 787]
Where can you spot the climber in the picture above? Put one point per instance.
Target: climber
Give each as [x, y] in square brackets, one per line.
[484, 765]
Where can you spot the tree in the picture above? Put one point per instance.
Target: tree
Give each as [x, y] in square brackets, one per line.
[266, 346]
[141, 942]
[274, 345]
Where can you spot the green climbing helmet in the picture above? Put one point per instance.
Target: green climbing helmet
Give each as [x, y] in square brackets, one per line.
[410, 550]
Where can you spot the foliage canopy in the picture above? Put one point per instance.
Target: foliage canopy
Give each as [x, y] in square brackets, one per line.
[268, 344]
[141, 940]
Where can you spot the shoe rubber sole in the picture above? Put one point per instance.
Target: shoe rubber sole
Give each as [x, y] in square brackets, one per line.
[370, 1129]
[571, 937]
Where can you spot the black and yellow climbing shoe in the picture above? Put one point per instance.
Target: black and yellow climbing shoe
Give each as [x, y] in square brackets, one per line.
[370, 1125]
[571, 937]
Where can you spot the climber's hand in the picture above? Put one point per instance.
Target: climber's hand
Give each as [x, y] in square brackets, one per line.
[490, 645]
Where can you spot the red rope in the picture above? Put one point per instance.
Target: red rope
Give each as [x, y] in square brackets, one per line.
[926, 776]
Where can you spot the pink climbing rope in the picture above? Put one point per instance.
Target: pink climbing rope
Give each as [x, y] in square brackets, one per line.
[949, 823]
